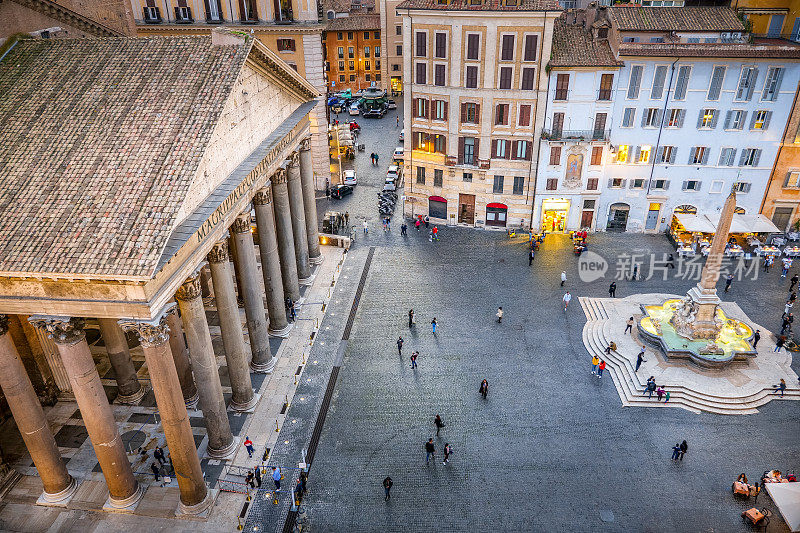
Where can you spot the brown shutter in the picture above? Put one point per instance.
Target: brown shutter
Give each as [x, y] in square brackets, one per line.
[477, 113]
[528, 150]
[463, 113]
[494, 148]
[445, 110]
[208, 9]
[414, 107]
[476, 150]
[531, 42]
[461, 150]
[427, 108]
[513, 154]
[241, 9]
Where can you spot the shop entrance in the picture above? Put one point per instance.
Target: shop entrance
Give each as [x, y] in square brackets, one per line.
[781, 217]
[496, 214]
[437, 207]
[618, 217]
[652, 216]
[466, 208]
[554, 215]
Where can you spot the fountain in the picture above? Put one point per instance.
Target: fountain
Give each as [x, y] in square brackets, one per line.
[695, 327]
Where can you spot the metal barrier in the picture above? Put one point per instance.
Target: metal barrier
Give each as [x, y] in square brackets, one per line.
[226, 485]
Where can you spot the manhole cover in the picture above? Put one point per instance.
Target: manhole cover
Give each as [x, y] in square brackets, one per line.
[133, 439]
[606, 516]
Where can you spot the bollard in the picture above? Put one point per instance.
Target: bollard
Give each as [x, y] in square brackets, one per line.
[295, 379]
[240, 526]
[277, 429]
[324, 305]
[316, 323]
[286, 399]
[295, 503]
[249, 496]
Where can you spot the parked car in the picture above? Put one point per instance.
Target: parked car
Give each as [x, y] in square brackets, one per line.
[353, 110]
[402, 135]
[391, 104]
[389, 186]
[340, 191]
[375, 112]
[398, 153]
[350, 177]
[393, 174]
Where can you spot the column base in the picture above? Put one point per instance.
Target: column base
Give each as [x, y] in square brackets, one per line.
[132, 399]
[198, 510]
[248, 407]
[264, 368]
[127, 505]
[283, 332]
[225, 453]
[309, 280]
[316, 260]
[59, 499]
[191, 403]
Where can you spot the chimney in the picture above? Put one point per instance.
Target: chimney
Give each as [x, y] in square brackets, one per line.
[226, 37]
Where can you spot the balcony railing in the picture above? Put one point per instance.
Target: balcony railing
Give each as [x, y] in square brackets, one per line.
[576, 135]
[782, 36]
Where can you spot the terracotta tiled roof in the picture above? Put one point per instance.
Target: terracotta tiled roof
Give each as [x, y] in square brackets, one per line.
[755, 50]
[573, 46]
[99, 141]
[355, 23]
[638, 18]
[486, 5]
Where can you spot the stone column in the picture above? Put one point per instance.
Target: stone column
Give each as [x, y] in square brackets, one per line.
[70, 338]
[32, 423]
[237, 276]
[130, 390]
[283, 230]
[155, 339]
[270, 262]
[298, 218]
[180, 356]
[236, 353]
[221, 443]
[56, 366]
[310, 202]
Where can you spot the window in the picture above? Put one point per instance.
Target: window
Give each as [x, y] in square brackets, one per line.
[398, 30]
[341, 78]
[627, 117]
[497, 187]
[558, 123]
[599, 125]
[707, 119]
[472, 77]
[597, 156]
[473, 46]
[438, 177]
[377, 51]
[529, 54]
[659, 77]
[519, 185]
[747, 83]
[351, 65]
[562, 87]
[422, 42]
[377, 67]
[643, 153]
[691, 185]
[367, 50]
[637, 183]
[682, 82]
[591, 184]
[213, 11]
[248, 11]
[772, 85]
[717, 77]
[651, 117]
[439, 75]
[726, 157]
[749, 157]
[286, 45]
[376, 35]
[468, 155]
[340, 52]
[552, 184]
[351, 52]
[341, 65]
[616, 183]
[660, 184]
[501, 114]
[606, 82]
[710, 40]
[676, 117]
[666, 154]
[469, 113]
[734, 119]
[775, 25]
[466, 176]
[395, 67]
[500, 148]
[439, 110]
[524, 115]
[339, 36]
[421, 175]
[742, 187]
[760, 120]
[366, 66]
[520, 150]
[399, 49]
[367, 77]
[505, 77]
[421, 73]
[527, 78]
[352, 77]
[792, 179]
[635, 81]
[698, 155]
[441, 45]
[656, 39]
[555, 155]
[507, 48]
[421, 108]
[349, 36]
[377, 75]
[630, 39]
[622, 153]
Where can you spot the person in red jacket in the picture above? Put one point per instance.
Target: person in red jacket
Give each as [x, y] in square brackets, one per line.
[600, 369]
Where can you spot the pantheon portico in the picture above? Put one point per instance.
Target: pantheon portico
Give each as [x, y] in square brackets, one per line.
[121, 196]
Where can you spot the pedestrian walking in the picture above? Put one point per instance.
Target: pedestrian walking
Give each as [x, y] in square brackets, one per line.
[728, 282]
[756, 337]
[788, 308]
[612, 289]
[676, 451]
[403, 229]
[563, 278]
[347, 219]
[666, 397]
[430, 235]
[595, 363]
[410, 317]
[414, 359]
[427, 221]
[249, 480]
[779, 343]
[484, 388]
[399, 345]
[640, 359]
[290, 309]
[629, 326]
[650, 388]
[377, 158]
[793, 281]
[671, 261]
[793, 296]
[499, 315]
[438, 423]
[635, 274]
[158, 453]
[327, 189]
[567, 297]
[684, 448]
[433, 325]
[257, 476]
[600, 368]
[787, 264]
[781, 387]
[387, 487]
[366, 227]
[397, 121]
[435, 233]
[447, 451]
[417, 224]
[659, 393]
[430, 450]
[248, 444]
[276, 478]
[155, 469]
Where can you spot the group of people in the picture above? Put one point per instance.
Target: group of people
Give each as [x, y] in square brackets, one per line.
[652, 387]
[373, 159]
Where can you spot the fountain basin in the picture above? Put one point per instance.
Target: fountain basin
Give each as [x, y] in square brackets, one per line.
[732, 343]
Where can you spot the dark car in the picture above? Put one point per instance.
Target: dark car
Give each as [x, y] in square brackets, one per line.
[375, 112]
[340, 191]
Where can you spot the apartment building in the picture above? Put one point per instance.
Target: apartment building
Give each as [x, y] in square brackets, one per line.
[353, 52]
[475, 90]
[773, 18]
[392, 32]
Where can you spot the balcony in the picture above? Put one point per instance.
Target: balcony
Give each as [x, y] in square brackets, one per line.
[576, 135]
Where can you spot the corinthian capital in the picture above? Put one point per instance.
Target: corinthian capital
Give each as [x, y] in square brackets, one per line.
[241, 224]
[190, 289]
[62, 329]
[294, 159]
[263, 196]
[305, 144]
[279, 176]
[219, 253]
[149, 332]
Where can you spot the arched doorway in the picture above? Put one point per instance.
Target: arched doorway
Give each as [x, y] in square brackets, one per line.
[437, 207]
[496, 214]
[618, 217]
[686, 208]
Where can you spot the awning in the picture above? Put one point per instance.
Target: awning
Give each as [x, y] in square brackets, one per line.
[695, 223]
[437, 199]
[746, 223]
[787, 497]
[497, 206]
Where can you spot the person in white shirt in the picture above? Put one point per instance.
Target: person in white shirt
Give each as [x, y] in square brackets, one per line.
[567, 298]
[563, 277]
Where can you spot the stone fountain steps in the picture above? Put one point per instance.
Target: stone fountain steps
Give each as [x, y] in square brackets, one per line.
[597, 334]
